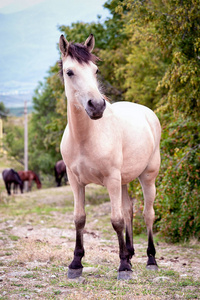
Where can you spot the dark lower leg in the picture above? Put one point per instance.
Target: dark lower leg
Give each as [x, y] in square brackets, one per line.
[8, 187]
[79, 250]
[129, 243]
[127, 204]
[151, 252]
[124, 254]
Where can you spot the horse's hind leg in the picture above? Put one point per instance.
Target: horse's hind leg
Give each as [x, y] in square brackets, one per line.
[127, 205]
[75, 268]
[147, 180]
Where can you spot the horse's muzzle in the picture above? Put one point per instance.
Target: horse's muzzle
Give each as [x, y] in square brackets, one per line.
[95, 109]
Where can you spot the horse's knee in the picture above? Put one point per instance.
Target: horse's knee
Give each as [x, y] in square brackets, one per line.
[149, 216]
[80, 221]
[118, 224]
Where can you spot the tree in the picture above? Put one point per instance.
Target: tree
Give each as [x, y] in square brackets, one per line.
[14, 139]
[47, 123]
[177, 33]
[3, 110]
[173, 26]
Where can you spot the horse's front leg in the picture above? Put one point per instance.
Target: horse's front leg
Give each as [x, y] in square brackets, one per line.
[117, 219]
[75, 268]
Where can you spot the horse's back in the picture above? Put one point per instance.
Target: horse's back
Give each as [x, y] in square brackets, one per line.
[137, 120]
[135, 114]
[10, 175]
[4, 173]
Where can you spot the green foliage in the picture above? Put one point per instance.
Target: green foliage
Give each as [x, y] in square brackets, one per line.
[170, 32]
[14, 139]
[46, 129]
[177, 34]
[178, 202]
[3, 110]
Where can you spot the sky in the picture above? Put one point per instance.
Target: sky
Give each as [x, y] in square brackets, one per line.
[11, 6]
[14, 67]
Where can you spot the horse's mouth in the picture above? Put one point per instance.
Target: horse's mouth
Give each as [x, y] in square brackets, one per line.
[94, 116]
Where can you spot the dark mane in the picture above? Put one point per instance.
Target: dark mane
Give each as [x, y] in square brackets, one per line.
[80, 53]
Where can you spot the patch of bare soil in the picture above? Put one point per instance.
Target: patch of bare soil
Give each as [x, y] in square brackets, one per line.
[35, 250]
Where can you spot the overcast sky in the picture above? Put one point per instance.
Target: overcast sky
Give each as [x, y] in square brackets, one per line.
[11, 6]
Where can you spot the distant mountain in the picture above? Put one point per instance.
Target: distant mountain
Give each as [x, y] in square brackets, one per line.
[29, 42]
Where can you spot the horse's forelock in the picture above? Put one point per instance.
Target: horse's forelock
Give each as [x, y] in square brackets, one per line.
[80, 53]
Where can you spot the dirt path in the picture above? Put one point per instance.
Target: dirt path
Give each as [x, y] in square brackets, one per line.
[37, 241]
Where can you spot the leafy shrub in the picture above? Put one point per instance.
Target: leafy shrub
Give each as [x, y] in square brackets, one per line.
[177, 203]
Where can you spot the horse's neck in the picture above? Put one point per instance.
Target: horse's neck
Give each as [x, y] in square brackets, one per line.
[78, 121]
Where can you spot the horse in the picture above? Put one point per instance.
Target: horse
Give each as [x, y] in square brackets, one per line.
[30, 176]
[11, 176]
[109, 145]
[60, 171]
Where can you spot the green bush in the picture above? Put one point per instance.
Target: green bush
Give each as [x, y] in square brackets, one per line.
[177, 203]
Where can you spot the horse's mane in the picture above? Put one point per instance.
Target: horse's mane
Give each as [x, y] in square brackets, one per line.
[80, 53]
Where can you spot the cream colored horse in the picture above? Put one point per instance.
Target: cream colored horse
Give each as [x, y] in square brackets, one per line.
[110, 145]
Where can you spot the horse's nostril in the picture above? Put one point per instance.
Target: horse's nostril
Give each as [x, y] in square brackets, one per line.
[90, 104]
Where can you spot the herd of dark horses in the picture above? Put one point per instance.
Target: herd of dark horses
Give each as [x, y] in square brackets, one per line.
[14, 180]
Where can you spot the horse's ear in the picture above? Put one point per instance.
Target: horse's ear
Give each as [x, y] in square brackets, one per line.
[90, 42]
[63, 45]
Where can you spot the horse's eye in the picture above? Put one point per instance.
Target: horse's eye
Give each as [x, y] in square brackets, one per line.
[70, 73]
[97, 71]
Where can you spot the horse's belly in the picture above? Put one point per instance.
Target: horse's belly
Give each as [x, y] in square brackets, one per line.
[133, 168]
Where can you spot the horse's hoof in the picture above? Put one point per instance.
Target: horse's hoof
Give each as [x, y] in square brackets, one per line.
[152, 267]
[74, 273]
[124, 275]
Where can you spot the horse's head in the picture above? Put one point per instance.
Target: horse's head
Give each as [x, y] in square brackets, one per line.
[80, 76]
[37, 179]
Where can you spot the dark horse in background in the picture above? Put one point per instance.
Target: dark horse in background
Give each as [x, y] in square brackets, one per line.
[30, 176]
[11, 176]
[60, 171]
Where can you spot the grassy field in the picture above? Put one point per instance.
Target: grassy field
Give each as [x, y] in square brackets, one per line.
[37, 241]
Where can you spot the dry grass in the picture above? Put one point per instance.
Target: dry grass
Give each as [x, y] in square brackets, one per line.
[37, 242]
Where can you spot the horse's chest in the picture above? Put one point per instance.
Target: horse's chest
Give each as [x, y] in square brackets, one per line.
[87, 165]
[86, 171]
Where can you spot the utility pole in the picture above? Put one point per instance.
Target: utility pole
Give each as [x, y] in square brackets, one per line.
[1, 135]
[25, 142]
